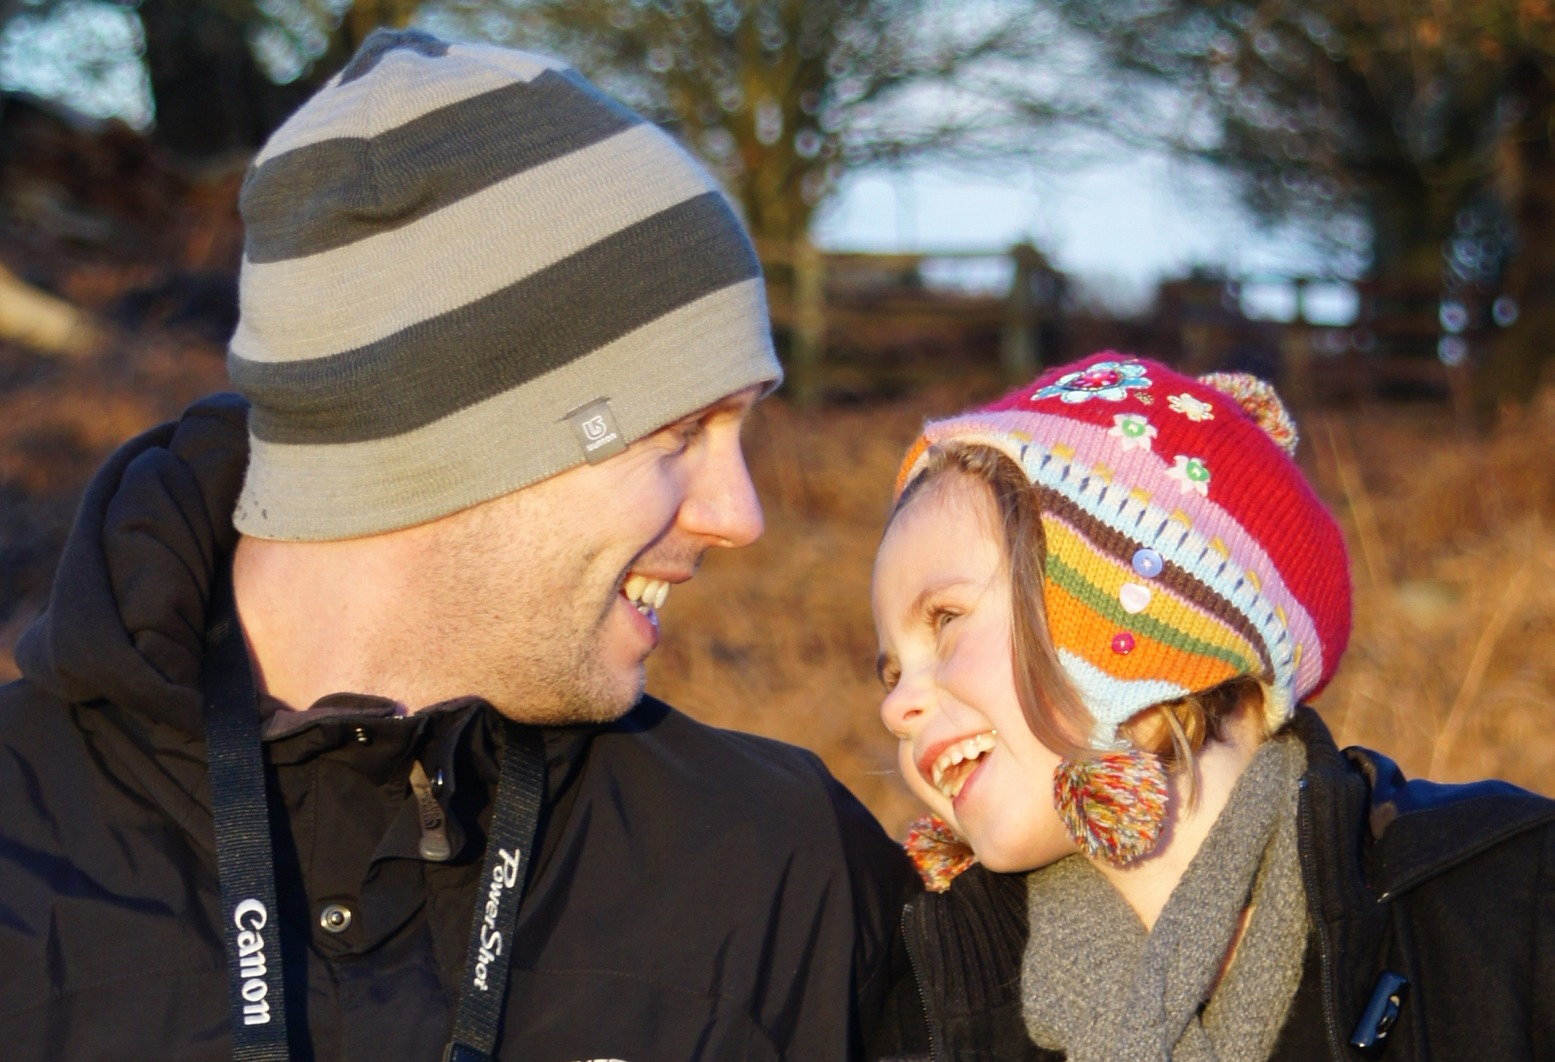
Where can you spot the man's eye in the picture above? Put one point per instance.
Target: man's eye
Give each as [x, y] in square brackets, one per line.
[684, 434]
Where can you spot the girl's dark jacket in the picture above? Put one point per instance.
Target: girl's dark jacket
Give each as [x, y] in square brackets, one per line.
[1449, 886]
[697, 893]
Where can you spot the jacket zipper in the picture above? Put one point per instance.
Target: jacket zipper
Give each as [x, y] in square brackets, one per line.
[1306, 841]
[923, 1000]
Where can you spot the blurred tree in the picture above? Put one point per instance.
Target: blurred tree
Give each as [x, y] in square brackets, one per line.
[780, 96]
[1432, 122]
[211, 95]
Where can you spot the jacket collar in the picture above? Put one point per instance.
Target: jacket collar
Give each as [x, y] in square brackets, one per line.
[1420, 829]
[1411, 829]
[1368, 836]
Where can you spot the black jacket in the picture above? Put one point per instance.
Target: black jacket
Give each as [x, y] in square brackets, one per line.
[697, 893]
[1450, 886]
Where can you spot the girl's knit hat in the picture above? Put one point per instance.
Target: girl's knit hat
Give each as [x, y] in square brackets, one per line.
[1184, 546]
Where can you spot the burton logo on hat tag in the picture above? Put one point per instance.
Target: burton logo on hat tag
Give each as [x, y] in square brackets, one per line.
[595, 427]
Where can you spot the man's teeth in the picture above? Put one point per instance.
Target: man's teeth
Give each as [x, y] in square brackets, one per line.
[967, 751]
[647, 594]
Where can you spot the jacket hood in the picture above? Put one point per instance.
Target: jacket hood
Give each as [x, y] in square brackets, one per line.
[126, 614]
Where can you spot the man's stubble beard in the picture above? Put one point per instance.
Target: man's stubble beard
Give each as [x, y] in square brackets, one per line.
[536, 661]
[525, 637]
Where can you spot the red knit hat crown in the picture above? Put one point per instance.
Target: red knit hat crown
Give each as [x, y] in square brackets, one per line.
[1184, 546]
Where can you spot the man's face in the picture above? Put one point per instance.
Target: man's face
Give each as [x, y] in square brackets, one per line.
[531, 589]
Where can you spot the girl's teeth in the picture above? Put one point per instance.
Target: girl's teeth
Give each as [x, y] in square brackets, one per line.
[966, 751]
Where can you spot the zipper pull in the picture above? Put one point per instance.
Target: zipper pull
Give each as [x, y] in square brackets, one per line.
[1381, 1013]
[434, 824]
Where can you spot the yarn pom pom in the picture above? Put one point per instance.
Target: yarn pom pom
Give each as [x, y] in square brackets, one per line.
[1260, 402]
[938, 853]
[1113, 805]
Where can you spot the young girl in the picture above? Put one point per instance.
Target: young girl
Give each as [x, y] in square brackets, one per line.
[1100, 603]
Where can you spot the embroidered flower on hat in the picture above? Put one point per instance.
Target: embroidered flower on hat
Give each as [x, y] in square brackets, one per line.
[1194, 409]
[1190, 474]
[1132, 431]
[1110, 380]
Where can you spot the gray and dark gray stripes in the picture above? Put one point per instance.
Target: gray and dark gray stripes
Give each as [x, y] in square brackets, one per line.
[335, 192]
[531, 327]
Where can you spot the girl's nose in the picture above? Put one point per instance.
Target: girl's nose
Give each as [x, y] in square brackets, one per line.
[904, 709]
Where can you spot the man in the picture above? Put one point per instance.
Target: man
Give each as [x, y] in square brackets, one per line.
[332, 742]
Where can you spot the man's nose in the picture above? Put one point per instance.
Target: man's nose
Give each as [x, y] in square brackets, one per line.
[721, 505]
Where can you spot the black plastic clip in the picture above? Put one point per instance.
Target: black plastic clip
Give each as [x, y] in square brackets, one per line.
[1381, 1013]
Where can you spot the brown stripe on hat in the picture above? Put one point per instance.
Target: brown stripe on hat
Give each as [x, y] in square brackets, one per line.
[334, 192]
[1115, 544]
[423, 305]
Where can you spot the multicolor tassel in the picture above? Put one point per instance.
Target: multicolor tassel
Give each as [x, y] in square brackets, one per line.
[938, 853]
[1260, 402]
[1113, 805]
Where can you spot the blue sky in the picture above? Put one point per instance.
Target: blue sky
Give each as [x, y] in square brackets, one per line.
[1118, 224]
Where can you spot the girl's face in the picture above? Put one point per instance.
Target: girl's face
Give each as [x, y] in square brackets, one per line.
[942, 615]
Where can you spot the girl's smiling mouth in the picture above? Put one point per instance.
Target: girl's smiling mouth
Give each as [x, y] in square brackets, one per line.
[948, 765]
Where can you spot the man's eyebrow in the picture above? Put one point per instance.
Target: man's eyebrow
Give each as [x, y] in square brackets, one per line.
[731, 403]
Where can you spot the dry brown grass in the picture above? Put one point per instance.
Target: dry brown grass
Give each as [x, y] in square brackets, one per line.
[1452, 666]
[1451, 669]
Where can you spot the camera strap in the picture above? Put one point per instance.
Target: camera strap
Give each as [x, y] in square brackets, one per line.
[245, 861]
[250, 922]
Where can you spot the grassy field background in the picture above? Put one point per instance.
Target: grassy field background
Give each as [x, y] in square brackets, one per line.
[1451, 669]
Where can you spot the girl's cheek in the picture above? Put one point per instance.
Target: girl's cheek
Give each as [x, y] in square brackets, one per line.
[921, 789]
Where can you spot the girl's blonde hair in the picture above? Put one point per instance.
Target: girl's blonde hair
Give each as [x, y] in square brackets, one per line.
[1173, 730]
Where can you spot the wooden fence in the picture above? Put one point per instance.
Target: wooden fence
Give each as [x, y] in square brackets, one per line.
[877, 308]
[853, 320]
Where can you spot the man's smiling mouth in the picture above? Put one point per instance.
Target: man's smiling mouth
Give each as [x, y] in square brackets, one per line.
[646, 595]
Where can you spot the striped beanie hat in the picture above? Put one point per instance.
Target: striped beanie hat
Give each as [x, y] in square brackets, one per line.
[466, 269]
[1184, 546]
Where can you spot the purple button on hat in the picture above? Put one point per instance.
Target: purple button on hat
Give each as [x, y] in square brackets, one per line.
[1148, 563]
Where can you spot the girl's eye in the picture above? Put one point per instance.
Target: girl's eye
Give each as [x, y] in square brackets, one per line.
[889, 674]
[941, 617]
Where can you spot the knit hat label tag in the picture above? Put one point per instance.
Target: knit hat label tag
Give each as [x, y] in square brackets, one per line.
[596, 430]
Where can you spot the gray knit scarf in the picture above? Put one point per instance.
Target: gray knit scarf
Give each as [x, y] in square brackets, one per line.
[1099, 987]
